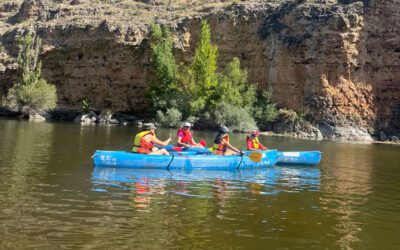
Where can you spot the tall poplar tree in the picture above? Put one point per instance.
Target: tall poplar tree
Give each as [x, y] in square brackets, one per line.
[33, 92]
[164, 89]
[203, 70]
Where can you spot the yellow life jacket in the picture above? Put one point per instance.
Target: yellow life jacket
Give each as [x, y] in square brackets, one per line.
[138, 139]
[255, 142]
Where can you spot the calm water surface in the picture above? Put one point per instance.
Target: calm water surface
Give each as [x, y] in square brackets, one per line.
[52, 197]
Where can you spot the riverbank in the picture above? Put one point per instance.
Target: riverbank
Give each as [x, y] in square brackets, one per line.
[305, 131]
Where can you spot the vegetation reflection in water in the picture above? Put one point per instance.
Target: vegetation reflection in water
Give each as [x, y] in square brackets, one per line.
[145, 183]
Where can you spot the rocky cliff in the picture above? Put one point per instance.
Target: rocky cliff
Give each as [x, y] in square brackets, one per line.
[336, 61]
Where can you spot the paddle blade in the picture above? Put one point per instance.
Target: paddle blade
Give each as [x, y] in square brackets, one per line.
[203, 142]
[177, 149]
[255, 156]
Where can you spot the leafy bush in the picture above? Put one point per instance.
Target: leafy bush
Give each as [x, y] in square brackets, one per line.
[234, 87]
[33, 93]
[264, 109]
[172, 118]
[290, 116]
[36, 96]
[86, 105]
[236, 118]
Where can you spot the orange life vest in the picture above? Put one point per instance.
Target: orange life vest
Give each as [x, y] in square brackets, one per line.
[220, 149]
[140, 145]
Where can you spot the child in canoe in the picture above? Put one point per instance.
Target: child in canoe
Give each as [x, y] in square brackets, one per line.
[253, 143]
[222, 145]
[145, 140]
[185, 138]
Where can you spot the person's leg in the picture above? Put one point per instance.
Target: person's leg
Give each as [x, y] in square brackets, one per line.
[162, 151]
[230, 152]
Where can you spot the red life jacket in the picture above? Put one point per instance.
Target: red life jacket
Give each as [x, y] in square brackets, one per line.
[187, 136]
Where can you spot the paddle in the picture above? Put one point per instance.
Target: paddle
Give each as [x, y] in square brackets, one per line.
[169, 164]
[173, 157]
[255, 156]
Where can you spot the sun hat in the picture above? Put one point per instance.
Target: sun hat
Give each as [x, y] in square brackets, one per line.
[255, 132]
[149, 126]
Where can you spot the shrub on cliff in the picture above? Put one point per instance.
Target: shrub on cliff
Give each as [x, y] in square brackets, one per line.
[264, 109]
[236, 118]
[33, 92]
[290, 116]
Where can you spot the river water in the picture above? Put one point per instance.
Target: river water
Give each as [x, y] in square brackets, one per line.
[52, 197]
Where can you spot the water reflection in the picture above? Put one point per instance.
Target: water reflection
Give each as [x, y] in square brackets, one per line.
[144, 184]
[346, 188]
[25, 150]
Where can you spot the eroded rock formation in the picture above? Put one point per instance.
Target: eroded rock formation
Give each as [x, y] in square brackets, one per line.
[336, 61]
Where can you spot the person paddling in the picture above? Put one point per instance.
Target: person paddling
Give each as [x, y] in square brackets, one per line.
[185, 138]
[222, 145]
[253, 143]
[145, 142]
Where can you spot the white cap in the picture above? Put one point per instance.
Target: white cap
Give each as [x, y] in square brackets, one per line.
[187, 124]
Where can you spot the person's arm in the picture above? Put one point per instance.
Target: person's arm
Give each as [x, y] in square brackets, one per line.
[228, 145]
[192, 142]
[262, 147]
[153, 139]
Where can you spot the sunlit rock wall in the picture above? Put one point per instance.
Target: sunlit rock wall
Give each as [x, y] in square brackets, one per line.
[335, 61]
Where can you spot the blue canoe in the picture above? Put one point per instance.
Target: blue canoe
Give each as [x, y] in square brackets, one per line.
[284, 158]
[299, 158]
[121, 159]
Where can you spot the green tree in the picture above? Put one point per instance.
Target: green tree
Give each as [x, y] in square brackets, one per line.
[234, 88]
[33, 92]
[203, 76]
[200, 92]
[163, 92]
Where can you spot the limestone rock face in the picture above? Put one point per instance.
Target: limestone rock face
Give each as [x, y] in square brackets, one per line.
[32, 9]
[336, 61]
